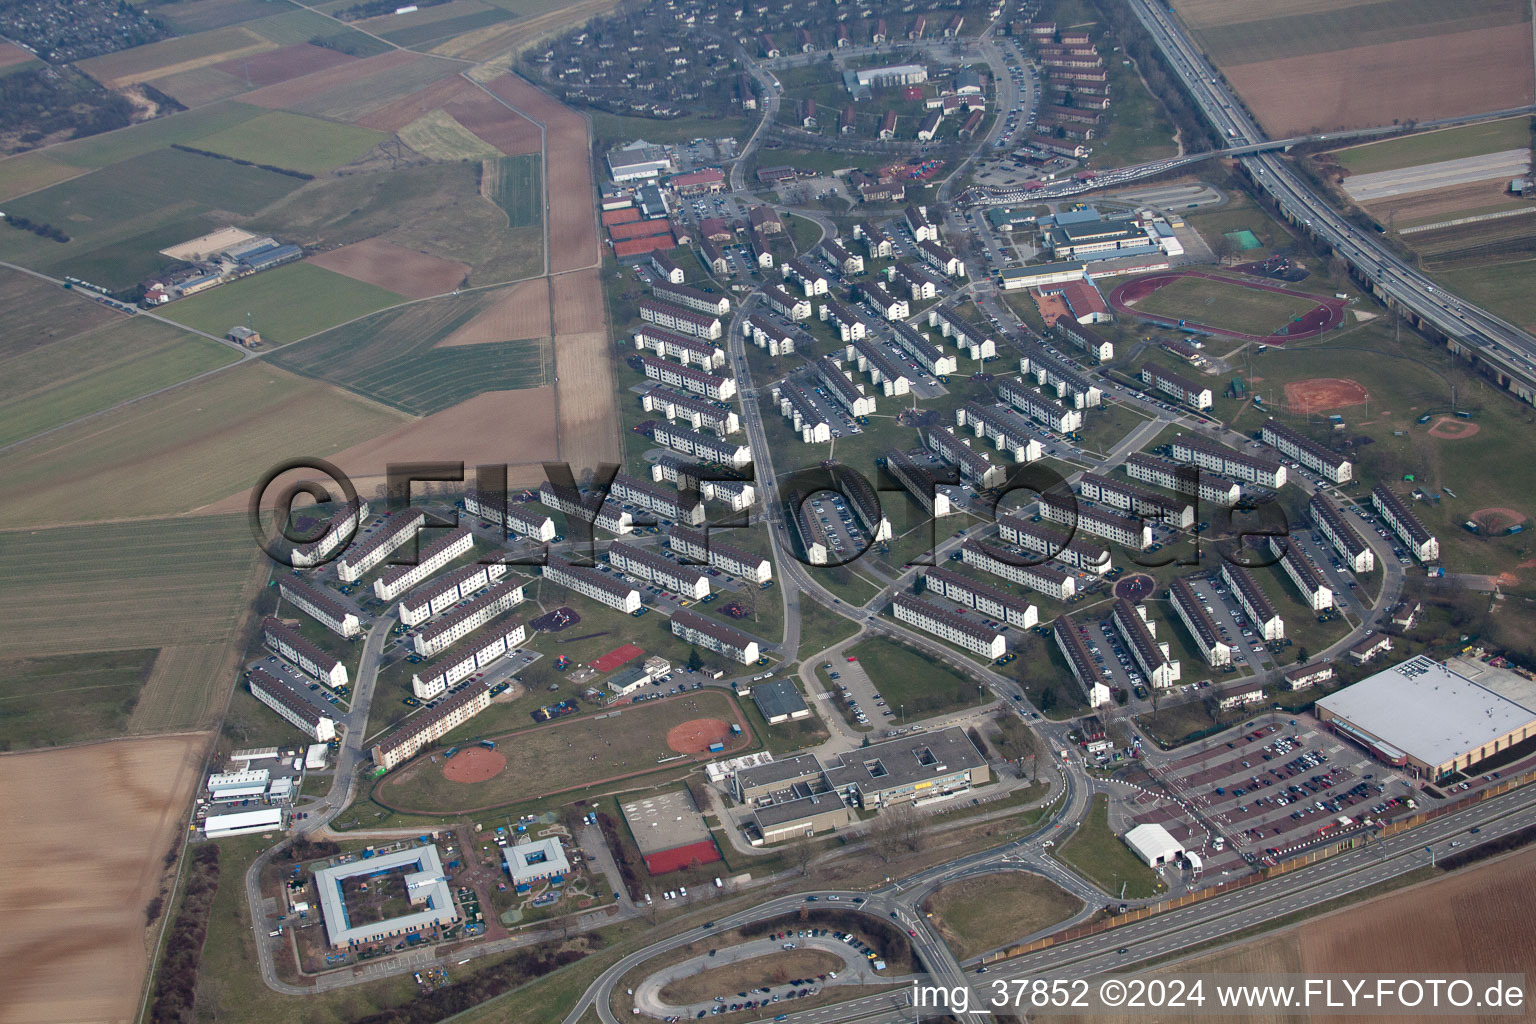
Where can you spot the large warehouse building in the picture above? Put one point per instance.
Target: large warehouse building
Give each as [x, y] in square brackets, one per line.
[1434, 718]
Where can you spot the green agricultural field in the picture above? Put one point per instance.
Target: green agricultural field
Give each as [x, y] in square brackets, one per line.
[29, 172]
[123, 585]
[96, 370]
[114, 147]
[611, 128]
[1227, 306]
[285, 304]
[1102, 857]
[392, 357]
[211, 14]
[520, 189]
[913, 681]
[437, 136]
[1444, 144]
[293, 141]
[69, 698]
[36, 313]
[430, 34]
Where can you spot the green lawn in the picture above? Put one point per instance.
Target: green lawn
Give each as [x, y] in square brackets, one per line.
[520, 192]
[804, 233]
[1504, 289]
[610, 129]
[293, 141]
[1102, 857]
[913, 680]
[1227, 306]
[820, 629]
[1444, 144]
[69, 698]
[979, 914]
[285, 304]
[1138, 128]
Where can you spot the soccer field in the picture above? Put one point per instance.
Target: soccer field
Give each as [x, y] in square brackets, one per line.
[1227, 306]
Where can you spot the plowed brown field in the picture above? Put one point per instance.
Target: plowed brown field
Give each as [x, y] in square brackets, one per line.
[412, 274]
[516, 311]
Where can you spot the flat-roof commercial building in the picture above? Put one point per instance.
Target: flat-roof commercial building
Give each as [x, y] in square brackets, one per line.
[1245, 468]
[971, 634]
[1139, 631]
[1154, 845]
[264, 819]
[292, 706]
[394, 532]
[439, 634]
[653, 567]
[1177, 386]
[639, 160]
[224, 787]
[438, 596]
[713, 635]
[323, 608]
[397, 579]
[1015, 278]
[1040, 407]
[601, 587]
[1202, 628]
[698, 546]
[536, 860]
[519, 519]
[426, 886]
[288, 642]
[1074, 648]
[998, 425]
[1302, 449]
[344, 524]
[1332, 523]
[633, 677]
[986, 599]
[1212, 487]
[923, 352]
[919, 768]
[481, 649]
[780, 701]
[667, 502]
[697, 411]
[1041, 539]
[1434, 718]
[891, 75]
[1139, 501]
[1255, 603]
[421, 730]
[688, 378]
[686, 349]
[975, 467]
[1309, 582]
[1025, 569]
[801, 817]
[1414, 535]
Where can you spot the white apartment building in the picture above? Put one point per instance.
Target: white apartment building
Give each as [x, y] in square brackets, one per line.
[491, 642]
[813, 536]
[1067, 380]
[797, 406]
[768, 334]
[1254, 602]
[688, 378]
[292, 706]
[847, 263]
[1305, 676]
[392, 533]
[1396, 513]
[1141, 502]
[600, 586]
[850, 323]
[997, 426]
[865, 503]
[1074, 648]
[1212, 488]
[1041, 408]
[397, 579]
[922, 229]
[877, 244]
[1097, 520]
[811, 281]
[696, 411]
[676, 318]
[847, 393]
[941, 259]
[703, 548]
[988, 600]
[1199, 624]
[914, 279]
[1139, 632]
[420, 731]
[667, 502]
[438, 596]
[517, 518]
[1179, 387]
[888, 306]
[289, 643]
[715, 636]
[792, 307]
[920, 483]
[1332, 523]
[653, 567]
[883, 369]
[687, 474]
[1100, 348]
[1309, 582]
[1011, 566]
[689, 351]
[970, 634]
[974, 466]
[702, 446]
[344, 524]
[1307, 452]
[975, 342]
[696, 299]
[1241, 466]
[609, 516]
[326, 610]
[1039, 539]
[439, 634]
[924, 352]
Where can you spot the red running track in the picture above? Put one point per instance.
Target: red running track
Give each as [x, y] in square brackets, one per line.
[1327, 314]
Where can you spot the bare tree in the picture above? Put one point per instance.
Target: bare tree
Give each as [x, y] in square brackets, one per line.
[885, 836]
[802, 853]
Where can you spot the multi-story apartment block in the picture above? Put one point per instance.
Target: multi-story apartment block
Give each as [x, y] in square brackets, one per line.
[1177, 386]
[877, 243]
[713, 635]
[490, 642]
[915, 280]
[922, 229]
[865, 503]
[1014, 567]
[676, 318]
[969, 633]
[705, 549]
[847, 393]
[284, 640]
[687, 350]
[1068, 381]
[654, 567]
[1074, 647]
[924, 352]
[797, 406]
[1129, 497]
[1309, 582]
[1202, 628]
[702, 446]
[1098, 347]
[921, 483]
[667, 502]
[602, 587]
[420, 731]
[847, 263]
[941, 259]
[519, 519]
[688, 378]
[437, 635]
[813, 536]
[792, 307]
[326, 610]
[1255, 603]
[1212, 488]
[888, 306]
[1097, 520]
[1041, 408]
[1044, 541]
[439, 595]
[689, 474]
[605, 514]
[1332, 523]
[986, 599]
[393, 533]
[768, 333]
[1303, 450]
[811, 280]
[1139, 632]
[999, 426]
[883, 369]
[850, 323]
[293, 706]
[975, 342]
[1304, 677]
[344, 524]
[1396, 513]
[975, 467]
[666, 267]
[696, 411]
[397, 579]
[692, 298]
[1241, 466]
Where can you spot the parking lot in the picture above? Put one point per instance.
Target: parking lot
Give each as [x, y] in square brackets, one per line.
[844, 534]
[859, 694]
[328, 701]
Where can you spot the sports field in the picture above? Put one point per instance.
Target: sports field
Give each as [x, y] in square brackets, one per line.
[119, 586]
[285, 304]
[293, 141]
[392, 357]
[1431, 147]
[96, 370]
[1225, 306]
[69, 698]
[182, 449]
[555, 757]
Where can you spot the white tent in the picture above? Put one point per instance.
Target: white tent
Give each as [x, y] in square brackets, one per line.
[1154, 845]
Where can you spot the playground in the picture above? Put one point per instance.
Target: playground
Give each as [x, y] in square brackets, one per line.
[1246, 309]
[1135, 588]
